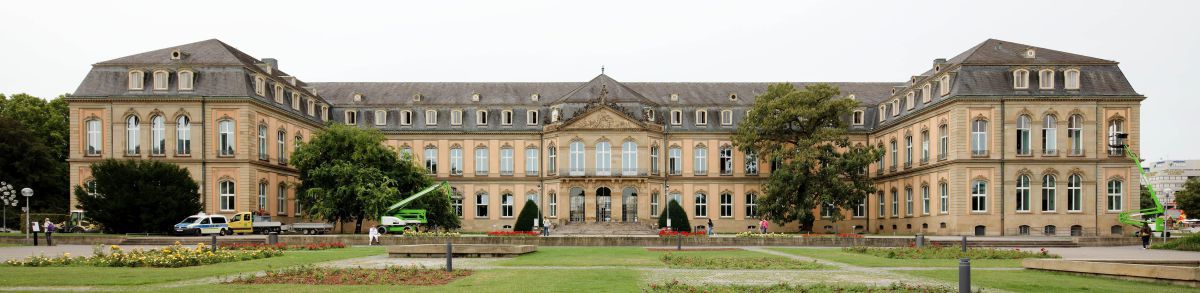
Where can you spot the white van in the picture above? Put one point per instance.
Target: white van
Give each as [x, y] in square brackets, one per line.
[202, 224]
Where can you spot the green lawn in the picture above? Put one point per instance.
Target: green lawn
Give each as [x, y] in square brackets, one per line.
[863, 260]
[1042, 281]
[506, 280]
[609, 256]
[80, 275]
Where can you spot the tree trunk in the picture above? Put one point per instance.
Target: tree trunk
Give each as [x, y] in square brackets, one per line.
[358, 224]
[806, 224]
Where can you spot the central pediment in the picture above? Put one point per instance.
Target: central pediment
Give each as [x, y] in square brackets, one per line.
[602, 118]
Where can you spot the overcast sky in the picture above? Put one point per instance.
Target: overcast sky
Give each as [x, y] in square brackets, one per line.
[46, 47]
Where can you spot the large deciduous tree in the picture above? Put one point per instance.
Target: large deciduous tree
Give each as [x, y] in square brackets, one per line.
[805, 132]
[139, 195]
[1188, 198]
[348, 174]
[34, 151]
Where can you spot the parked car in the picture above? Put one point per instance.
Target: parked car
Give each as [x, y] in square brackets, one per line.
[202, 224]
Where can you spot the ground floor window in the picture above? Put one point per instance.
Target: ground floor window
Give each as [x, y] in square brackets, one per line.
[506, 205]
[227, 195]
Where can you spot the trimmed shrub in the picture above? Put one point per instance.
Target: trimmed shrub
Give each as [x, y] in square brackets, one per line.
[679, 218]
[525, 219]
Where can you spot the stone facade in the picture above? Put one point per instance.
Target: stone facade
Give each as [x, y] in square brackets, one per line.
[984, 128]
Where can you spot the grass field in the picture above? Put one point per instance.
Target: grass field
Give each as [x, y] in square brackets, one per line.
[610, 256]
[1041, 281]
[863, 260]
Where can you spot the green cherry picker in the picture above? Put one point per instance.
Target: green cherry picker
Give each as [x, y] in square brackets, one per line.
[1117, 142]
[398, 217]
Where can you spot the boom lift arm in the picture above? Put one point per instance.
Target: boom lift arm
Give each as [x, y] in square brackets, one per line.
[1157, 211]
[397, 217]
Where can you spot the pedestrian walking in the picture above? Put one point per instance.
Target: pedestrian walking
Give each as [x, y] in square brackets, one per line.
[49, 230]
[373, 235]
[762, 226]
[1144, 233]
[710, 228]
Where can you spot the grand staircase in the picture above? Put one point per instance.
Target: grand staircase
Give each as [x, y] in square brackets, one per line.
[605, 229]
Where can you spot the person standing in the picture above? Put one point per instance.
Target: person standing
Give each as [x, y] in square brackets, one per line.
[545, 228]
[762, 226]
[49, 230]
[1144, 233]
[710, 228]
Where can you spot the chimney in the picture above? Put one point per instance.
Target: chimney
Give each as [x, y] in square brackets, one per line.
[272, 62]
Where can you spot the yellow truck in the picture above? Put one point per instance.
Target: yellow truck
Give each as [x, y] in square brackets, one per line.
[248, 223]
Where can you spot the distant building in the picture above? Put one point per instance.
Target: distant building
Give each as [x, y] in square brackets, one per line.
[1002, 139]
[1168, 177]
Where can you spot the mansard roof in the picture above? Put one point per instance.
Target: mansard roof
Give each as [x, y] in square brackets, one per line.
[993, 51]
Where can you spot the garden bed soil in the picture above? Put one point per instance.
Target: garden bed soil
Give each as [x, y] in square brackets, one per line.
[414, 276]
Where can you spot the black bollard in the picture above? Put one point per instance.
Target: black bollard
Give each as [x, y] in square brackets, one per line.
[964, 243]
[214, 243]
[35, 237]
[449, 255]
[964, 275]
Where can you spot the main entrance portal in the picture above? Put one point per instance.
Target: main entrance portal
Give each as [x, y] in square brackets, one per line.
[603, 204]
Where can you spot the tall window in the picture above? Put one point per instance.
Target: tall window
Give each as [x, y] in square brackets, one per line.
[925, 93]
[654, 160]
[654, 204]
[944, 85]
[979, 138]
[860, 209]
[183, 136]
[751, 163]
[160, 80]
[751, 205]
[552, 160]
[506, 161]
[979, 196]
[895, 155]
[1021, 79]
[93, 137]
[1049, 188]
[1023, 193]
[136, 79]
[908, 201]
[701, 160]
[726, 117]
[158, 136]
[262, 142]
[908, 101]
[481, 162]
[262, 195]
[227, 195]
[531, 117]
[456, 161]
[944, 194]
[457, 203]
[431, 161]
[1114, 195]
[225, 137]
[1050, 135]
[553, 205]
[481, 205]
[924, 146]
[925, 199]
[1023, 134]
[132, 141]
[726, 154]
[603, 158]
[1075, 134]
[1115, 127]
[405, 117]
[506, 205]
[1046, 79]
[1071, 79]
[701, 205]
[629, 158]
[726, 205]
[675, 158]
[576, 158]
[880, 200]
[943, 141]
[279, 94]
[895, 203]
[281, 201]
[431, 117]
[908, 150]
[281, 144]
[531, 162]
[1074, 193]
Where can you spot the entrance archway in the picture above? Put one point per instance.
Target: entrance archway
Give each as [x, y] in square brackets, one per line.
[629, 206]
[577, 201]
[603, 204]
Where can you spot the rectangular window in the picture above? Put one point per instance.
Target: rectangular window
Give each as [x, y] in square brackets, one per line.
[160, 80]
[281, 201]
[676, 117]
[185, 80]
[225, 137]
[455, 117]
[751, 163]
[553, 206]
[675, 156]
[431, 117]
[457, 203]
[908, 151]
[431, 156]
[751, 205]
[281, 146]
[908, 101]
[944, 85]
[726, 205]
[93, 137]
[227, 195]
[1022, 193]
[654, 204]
[296, 101]
[262, 196]
[481, 117]
[979, 138]
[381, 117]
[629, 166]
[506, 117]
[879, 199]
[654, 160]
[1049, 194]
[726, 160]
[943, 142]
[726, 117]
[481, 162]
[552, 160]
[860, 209]
[701, 161]
[701, 206]
[924, 146]
[908, 202]
[531, 162]
[506, 161]
[702, 117]
[351, 117]
[481, 206]
[137, 80]
[895, 204]
[1074, 194]
[925, 93]
[944, 194]
[576, 160]
[531, 117]
[603, 159]
[1114, 195]
[456, 161]
[925, 200]
[506, 206]
[979, 196]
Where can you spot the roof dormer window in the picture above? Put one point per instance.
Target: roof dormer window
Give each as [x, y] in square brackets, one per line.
[260, 86]
[1071, 79]
[702, 117]
[726, 117]
[674, 97]
[431, 117]
[676, 117]
[896, 107]
[1030, 53]
[1020, 79]
[858, 117]
[851, 97]
[925, 92]
[312, 105]
[1046, 79]
[161, 78]
[416, 97]
[296, 101]
[944, 85]
[279, 93]
[534, 97]
[351, 117]
[506, 117]
[380, 117]
[475, 97]
[358, 97]
[531, 117]
[882, 113]
[405, 117]
[456, 117]
[185, 80]
[324, 112]
[136, 79]
[908, 100]
[481, 117]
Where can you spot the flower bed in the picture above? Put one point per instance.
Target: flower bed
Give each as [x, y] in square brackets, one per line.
[749, 234]
[677, 287]
[432, 234]
[669, 233]
[283, 246]
[713, 262]
[839, 235]
[513, 233]
[950, 252]
[173, 256]
[1189, 243]
[392, 275]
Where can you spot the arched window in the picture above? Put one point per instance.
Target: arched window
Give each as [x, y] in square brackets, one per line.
[925, 199]
[481, 162]
[185, 80]
[1020, 79]
[1075, 134]
[701, 205]
[654, 156]
[225, 137]
[629, 166]
[132, 141]
[979, 196]
[227, 195]
[431, 117]
[279, 93]
[183, 136]
[1023, 193]
[726, 205]
[1115, 127]
[281, 198]
[1071, 77]
[481, 205]
[1049, 193]
[260, 86]
[1046, 79]
[603, 159]
[944, 194]
[1075, 193]
[701, 161]
[297, 142]
[531, 162]
[908, 100]
[161, 78]
[925, 93]
[431, 161]
[675, 160]
[552, 159]
[1115, 195]
[262, 196]
[1050, 135]
[576, 158]
[93, 137]
[381, 117]
[281, 146]
[726, 160]
[506, 205]
[137, 79]
[944, 85]
[979, 137]
[405, 117]
[262, 142]
[1023, 135]
[751, 205]
[456, 161]
[507, 157]
[158, 136]
[943, 141]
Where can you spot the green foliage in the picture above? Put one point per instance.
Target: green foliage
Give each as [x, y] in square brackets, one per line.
[1189, 243]
[348, 174]
[679, 218]
[525, 219]
[948, 252]
[1188, 198]
[34, 152]
[139, 195]
[805, 131]
[693, 261]
[173, 256]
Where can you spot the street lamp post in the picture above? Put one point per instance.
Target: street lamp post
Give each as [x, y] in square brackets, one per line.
[666, 193]
[28, 193]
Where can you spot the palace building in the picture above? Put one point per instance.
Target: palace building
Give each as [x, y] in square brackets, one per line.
[1002, 139]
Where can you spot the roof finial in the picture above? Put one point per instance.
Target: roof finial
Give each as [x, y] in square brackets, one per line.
[601, 69]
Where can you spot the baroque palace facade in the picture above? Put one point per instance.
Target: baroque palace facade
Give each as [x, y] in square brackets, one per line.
[1003, 139]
